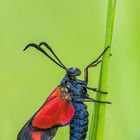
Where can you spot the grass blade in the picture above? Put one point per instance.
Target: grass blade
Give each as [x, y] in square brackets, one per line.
[98, 118]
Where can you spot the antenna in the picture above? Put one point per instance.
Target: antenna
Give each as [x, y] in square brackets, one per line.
[38, 47]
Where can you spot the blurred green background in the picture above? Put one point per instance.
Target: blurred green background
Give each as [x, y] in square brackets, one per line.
[75, 29]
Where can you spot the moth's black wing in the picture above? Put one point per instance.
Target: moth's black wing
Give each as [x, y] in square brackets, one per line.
[30, 133]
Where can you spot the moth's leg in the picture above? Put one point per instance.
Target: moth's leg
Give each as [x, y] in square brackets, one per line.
[96, 90]
[91, 100]
[87, 68]
[93, 64]
[98, 101]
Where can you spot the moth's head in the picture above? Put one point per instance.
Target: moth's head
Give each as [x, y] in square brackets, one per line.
[73, 72]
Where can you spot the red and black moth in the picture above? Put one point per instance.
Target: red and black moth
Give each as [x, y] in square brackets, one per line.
[65, 105]
[57, 110]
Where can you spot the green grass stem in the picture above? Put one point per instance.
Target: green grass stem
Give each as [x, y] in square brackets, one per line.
[98, 118]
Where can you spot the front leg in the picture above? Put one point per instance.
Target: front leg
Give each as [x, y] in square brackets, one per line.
[93, 64]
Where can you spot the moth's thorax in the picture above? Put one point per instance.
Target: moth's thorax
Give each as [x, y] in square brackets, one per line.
[75, 86]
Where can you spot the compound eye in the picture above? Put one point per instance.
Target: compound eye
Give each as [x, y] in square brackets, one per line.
[78, 72]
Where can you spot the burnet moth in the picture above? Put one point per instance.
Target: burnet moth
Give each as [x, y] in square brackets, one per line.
[64, 106]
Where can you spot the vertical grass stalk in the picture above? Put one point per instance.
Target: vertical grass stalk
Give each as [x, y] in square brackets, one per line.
[98, 118]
